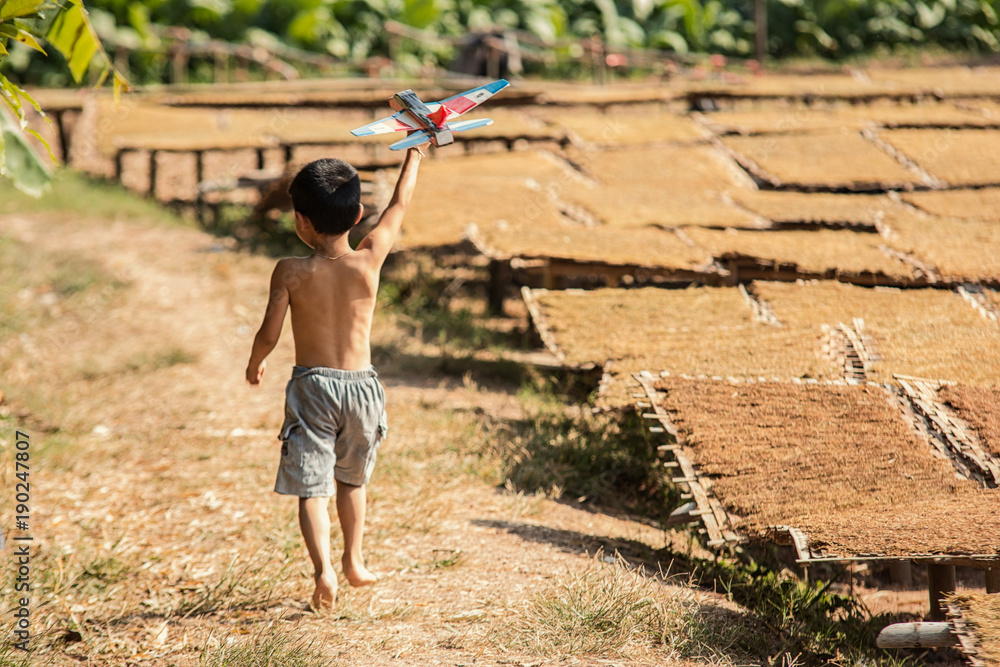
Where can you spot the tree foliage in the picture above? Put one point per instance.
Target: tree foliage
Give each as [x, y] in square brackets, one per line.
[354, 29]
[68, 30]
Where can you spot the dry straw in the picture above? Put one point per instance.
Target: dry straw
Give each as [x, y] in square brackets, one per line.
[649, 246]
[818, 208]
[922, 333]
[827, 159]
[949, 245]
[624, 126]
[959, 157]
[481, 190]
[979, 204]
[979, 407]
[774, 118]
[670, 185]
[695, 331]
[835, 461]
[822, 252]
[981, 615]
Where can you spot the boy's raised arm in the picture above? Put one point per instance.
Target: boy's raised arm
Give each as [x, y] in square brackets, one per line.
[381, 238]
[270, 329]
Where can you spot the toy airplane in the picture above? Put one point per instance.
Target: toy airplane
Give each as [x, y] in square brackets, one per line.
[429, 122]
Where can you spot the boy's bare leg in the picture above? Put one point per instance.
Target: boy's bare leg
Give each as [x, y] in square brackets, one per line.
[314, 520]
[351, 510]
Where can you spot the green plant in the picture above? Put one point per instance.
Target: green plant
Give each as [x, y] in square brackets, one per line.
[806, 618]
[608, 460]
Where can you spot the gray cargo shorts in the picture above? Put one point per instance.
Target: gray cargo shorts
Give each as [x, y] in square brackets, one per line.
[334, 423]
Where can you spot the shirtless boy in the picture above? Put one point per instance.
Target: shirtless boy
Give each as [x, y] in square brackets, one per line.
[334, 404]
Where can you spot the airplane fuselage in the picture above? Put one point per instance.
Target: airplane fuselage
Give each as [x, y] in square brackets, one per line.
[409, 102]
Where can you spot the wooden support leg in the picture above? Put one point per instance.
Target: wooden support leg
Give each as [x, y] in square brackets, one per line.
[500, 279]
[57, 117]
[199, 175]
[940, 582]
[152, 174]
[901, 573]
[289, 149]
[993, 580]
[260, 158]
[119, 154]
[548, 277]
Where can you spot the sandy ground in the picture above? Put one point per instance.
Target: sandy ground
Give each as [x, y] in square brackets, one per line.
[156, 533]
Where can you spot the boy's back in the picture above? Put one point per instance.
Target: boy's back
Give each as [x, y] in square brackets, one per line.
[332, 307]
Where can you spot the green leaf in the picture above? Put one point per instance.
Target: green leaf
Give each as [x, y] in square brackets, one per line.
[73, 36]
[19, 162]
[28, 39]
[14, 9]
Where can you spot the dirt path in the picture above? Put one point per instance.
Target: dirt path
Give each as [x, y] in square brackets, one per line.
[156, 531]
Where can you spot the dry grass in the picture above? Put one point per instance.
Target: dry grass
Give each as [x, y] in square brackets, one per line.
[826, 159]
[958, 157]
[615, 613]
[266, 647]
[824, 252]
[948, 245]
[982, 613]
[922, 333]
[671, 185]
[835, 461]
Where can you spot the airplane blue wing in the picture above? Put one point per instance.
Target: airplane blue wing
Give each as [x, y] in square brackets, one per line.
[414, 139]
[463, 125]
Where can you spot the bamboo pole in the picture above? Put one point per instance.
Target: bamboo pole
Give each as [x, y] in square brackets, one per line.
[915, 635]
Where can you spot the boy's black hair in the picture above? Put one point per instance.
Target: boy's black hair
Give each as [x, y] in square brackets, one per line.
[328, 192]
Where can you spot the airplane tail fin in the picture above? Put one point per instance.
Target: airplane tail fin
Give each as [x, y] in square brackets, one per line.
[463, 125]
[415, 139]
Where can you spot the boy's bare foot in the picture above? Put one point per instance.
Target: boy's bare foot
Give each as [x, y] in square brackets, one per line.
[325, 594]
[357, 574]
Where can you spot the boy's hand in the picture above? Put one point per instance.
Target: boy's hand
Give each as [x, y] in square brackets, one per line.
[255, 374]
[417, 150]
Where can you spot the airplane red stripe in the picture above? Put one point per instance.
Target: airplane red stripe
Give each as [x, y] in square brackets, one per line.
[458, 106]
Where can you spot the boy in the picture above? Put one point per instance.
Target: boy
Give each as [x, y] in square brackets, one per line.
[334, 404]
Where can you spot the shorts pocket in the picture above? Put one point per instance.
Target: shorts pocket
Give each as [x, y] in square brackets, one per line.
[383, 428]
